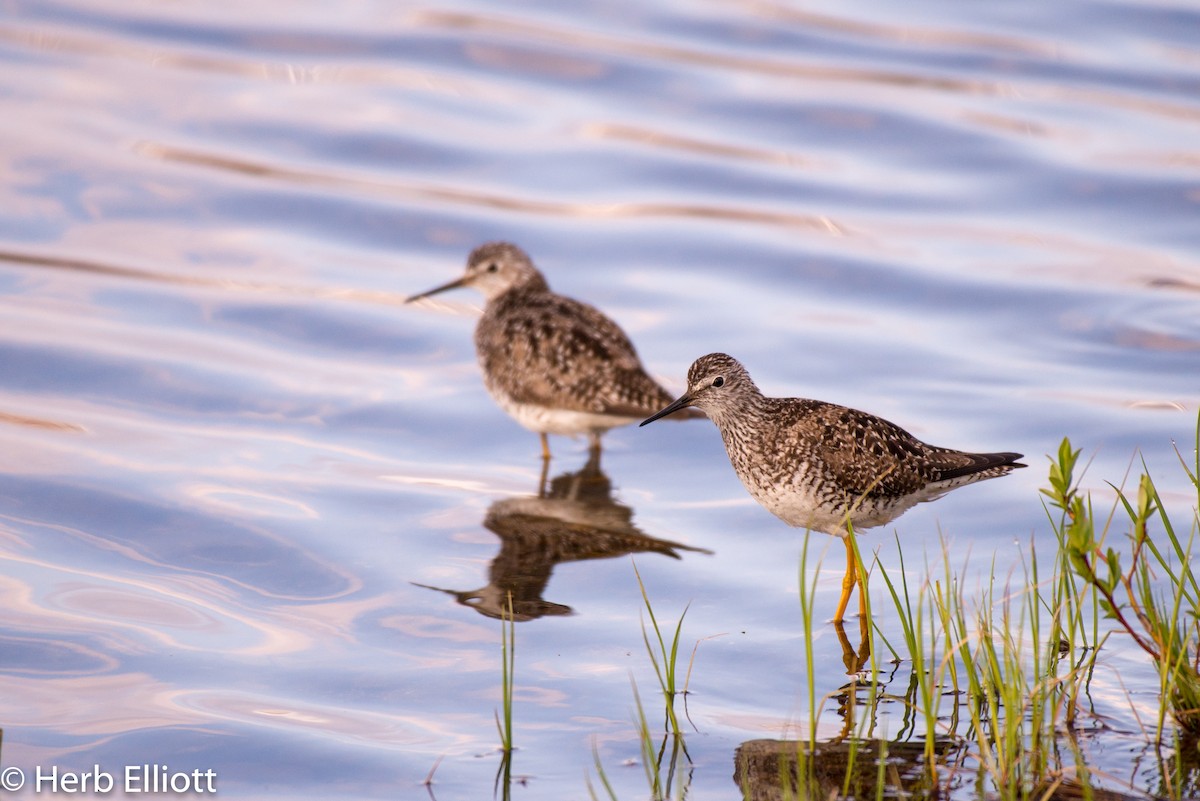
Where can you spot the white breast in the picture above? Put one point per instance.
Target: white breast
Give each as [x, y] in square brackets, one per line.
[544, 420]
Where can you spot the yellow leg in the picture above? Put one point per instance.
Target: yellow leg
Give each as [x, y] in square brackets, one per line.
[545, 447]
[848, 583]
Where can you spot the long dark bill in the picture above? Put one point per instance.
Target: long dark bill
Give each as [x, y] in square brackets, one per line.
[683, 402]
[452, 285]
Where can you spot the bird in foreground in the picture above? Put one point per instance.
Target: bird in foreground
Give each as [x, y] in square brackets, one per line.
[821, 466]
[554, 364]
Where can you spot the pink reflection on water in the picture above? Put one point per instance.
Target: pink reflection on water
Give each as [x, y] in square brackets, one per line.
[129, 607]
[439, 628]
[361, 726]
[133, 615]
[93, 705]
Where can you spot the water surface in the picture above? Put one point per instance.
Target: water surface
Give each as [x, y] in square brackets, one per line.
[254, 510]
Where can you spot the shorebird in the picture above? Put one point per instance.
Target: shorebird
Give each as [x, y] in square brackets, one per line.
[821, 466]
[577, 518]
[554, 364]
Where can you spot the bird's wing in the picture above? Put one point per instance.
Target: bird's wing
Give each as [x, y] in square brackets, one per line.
[876, 457]
[867, 455]
[559, 352]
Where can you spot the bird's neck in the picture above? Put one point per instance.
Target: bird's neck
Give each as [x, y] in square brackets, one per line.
[531, 285]
[748, 414]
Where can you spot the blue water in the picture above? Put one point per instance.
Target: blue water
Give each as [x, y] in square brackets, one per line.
[233, 463]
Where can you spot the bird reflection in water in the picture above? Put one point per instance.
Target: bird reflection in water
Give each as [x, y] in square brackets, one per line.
[850, 766]
[908, 766]
[572, 519]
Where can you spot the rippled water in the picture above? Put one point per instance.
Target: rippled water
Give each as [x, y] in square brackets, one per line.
[252, 507]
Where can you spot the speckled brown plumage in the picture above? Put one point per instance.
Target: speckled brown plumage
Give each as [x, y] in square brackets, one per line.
[578, 518]
[821, 466]
[541, 348]
[556, 365]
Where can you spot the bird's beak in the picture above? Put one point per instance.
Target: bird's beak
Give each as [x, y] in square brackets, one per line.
[683, 402]
[452, 285]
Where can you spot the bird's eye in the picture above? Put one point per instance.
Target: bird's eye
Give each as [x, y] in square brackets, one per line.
[719, 381]
[493, 267]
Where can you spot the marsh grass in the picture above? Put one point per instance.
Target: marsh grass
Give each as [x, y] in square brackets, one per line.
[664, 658]
[1022, 652]
[662, 757]
[799, 779]
[998, 703]
[1154, 599]
[1150, 592]
[652, 756]
[504, 717]
[1000, 662]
